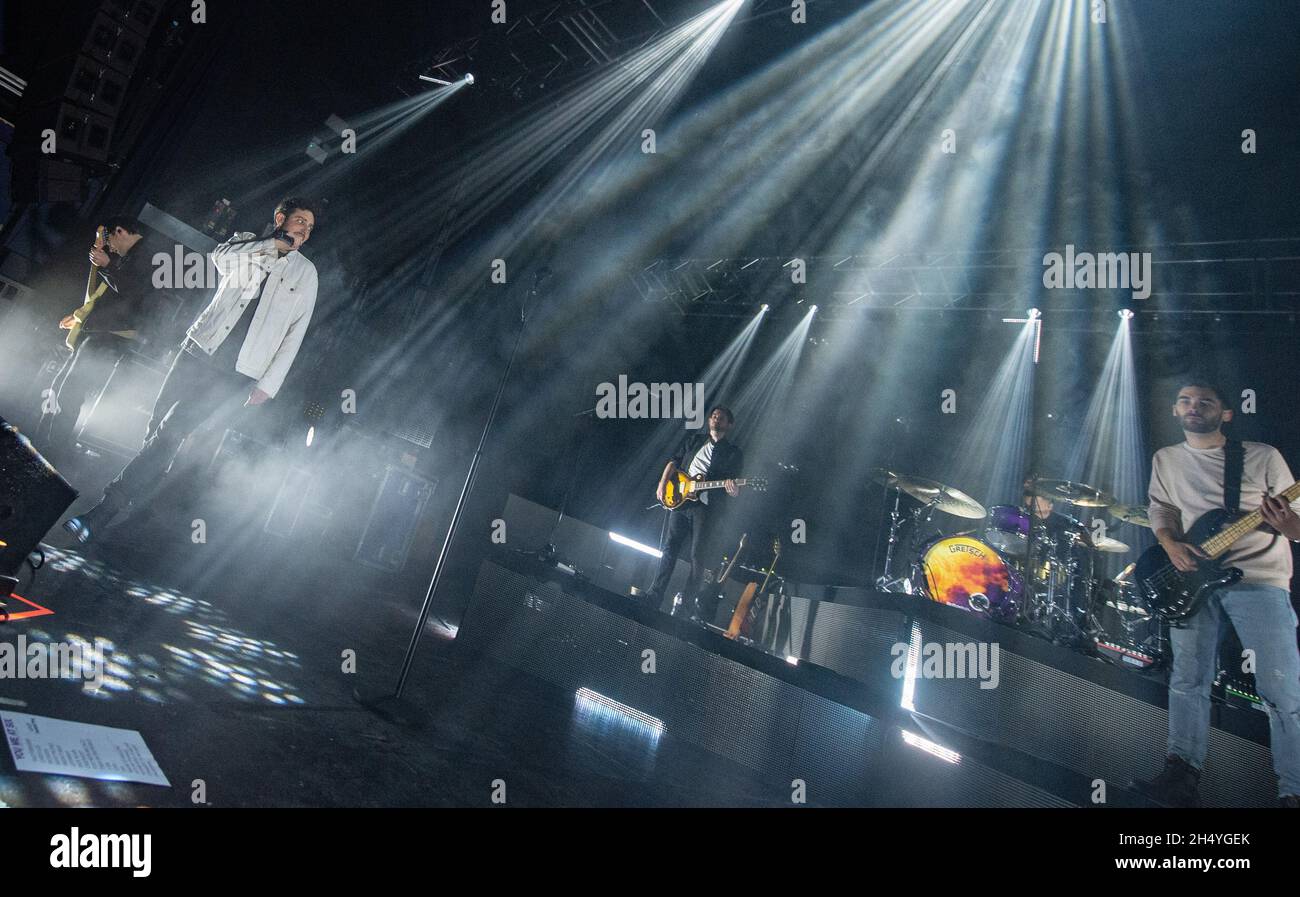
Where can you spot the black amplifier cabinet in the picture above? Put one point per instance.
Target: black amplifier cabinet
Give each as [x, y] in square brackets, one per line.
[32, 497]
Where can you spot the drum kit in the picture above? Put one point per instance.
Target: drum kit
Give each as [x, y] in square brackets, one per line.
[1034, 567]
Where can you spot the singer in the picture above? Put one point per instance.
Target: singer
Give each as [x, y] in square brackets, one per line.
[242, 344]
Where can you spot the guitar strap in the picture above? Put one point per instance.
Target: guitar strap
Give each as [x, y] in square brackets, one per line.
[1234, 463]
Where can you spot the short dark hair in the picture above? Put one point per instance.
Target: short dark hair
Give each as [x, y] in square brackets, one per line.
[126, 222]
[731, 418]
[293, 203]
[1201, 381]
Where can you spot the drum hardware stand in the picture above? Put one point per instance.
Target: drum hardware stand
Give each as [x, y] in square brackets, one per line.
[887, 582]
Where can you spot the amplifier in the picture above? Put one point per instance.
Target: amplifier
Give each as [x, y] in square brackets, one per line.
[393, 519]
[32, 497]
[119, 419]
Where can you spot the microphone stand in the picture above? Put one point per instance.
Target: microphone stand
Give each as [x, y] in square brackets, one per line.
[384, 702]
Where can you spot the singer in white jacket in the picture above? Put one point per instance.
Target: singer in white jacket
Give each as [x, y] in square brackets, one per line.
[239, 348]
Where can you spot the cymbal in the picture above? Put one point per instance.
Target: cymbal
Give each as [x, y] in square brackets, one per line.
[1107, 544]
[945, 498]
[1134, 514]
[1080, 495]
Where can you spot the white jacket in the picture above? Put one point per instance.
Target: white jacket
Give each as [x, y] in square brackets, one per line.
[282, 315]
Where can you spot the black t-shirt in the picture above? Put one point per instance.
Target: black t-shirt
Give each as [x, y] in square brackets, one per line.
[228, 352]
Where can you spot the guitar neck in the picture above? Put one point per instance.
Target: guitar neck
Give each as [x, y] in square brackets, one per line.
[716, 484]
[1224, 539]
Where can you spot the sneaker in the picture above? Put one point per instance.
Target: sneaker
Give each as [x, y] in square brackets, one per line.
[78, 528]
[1175, 786]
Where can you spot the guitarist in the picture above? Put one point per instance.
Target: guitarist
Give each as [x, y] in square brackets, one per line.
[1188, 481]
[701, 456]
[112, 321]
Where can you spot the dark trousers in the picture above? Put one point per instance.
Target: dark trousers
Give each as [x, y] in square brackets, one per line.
[693, 525]
[195, 392]
[84, 373]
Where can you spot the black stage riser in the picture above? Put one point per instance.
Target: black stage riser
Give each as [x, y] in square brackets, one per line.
[846, 757]
[1084, 718]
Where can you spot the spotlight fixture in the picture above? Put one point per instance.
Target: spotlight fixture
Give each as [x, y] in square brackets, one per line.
[1125, 314]
[764, 307]
[468, 79]
[1034, 314]
[311, 436]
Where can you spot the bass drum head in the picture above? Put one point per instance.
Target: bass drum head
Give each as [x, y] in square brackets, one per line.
[967, 573]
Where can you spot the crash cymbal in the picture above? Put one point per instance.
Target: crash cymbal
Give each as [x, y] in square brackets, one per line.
[1134, 514]
[945, 498]
[1080, 495]
[959, 504]
[1107, 544]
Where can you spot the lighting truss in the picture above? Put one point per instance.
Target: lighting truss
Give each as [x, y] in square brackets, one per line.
[534, 51]
[1234, 277]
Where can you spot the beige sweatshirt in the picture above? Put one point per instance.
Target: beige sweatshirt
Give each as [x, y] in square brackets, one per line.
[1187, 482]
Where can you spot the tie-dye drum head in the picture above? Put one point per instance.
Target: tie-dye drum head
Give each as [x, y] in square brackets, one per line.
[967, 573]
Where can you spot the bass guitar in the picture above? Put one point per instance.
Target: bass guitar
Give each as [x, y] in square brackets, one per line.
[1174, 595]
[95, 287]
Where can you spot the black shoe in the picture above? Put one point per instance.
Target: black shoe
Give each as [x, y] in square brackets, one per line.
[682, 607]
[1175, 786]
[1289, 801]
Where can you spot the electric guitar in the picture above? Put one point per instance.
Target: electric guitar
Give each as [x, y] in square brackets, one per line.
[680, 488]
[95, 287]
[740, 619]
[1174, 595]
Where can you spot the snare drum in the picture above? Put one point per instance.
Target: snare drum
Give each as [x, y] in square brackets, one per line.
[970, 574]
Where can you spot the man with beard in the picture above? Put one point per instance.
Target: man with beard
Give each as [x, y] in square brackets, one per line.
[1188, 481]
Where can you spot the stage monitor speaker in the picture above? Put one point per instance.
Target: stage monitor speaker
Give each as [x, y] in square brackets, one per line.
[119, 419]
[394, 517]
[290, 500]
[36, 178]
[32, 497]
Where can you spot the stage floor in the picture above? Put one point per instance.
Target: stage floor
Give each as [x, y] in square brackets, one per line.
[235, 677]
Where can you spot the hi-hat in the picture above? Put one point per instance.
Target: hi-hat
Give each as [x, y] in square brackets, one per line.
[1134, 514]
[1107, 544]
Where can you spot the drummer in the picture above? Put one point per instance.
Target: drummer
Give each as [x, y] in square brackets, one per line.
[1045, 515]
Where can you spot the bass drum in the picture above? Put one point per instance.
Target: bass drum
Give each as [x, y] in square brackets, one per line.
[967, 573]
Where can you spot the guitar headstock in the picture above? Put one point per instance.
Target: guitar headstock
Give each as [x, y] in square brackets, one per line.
[776, 546]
